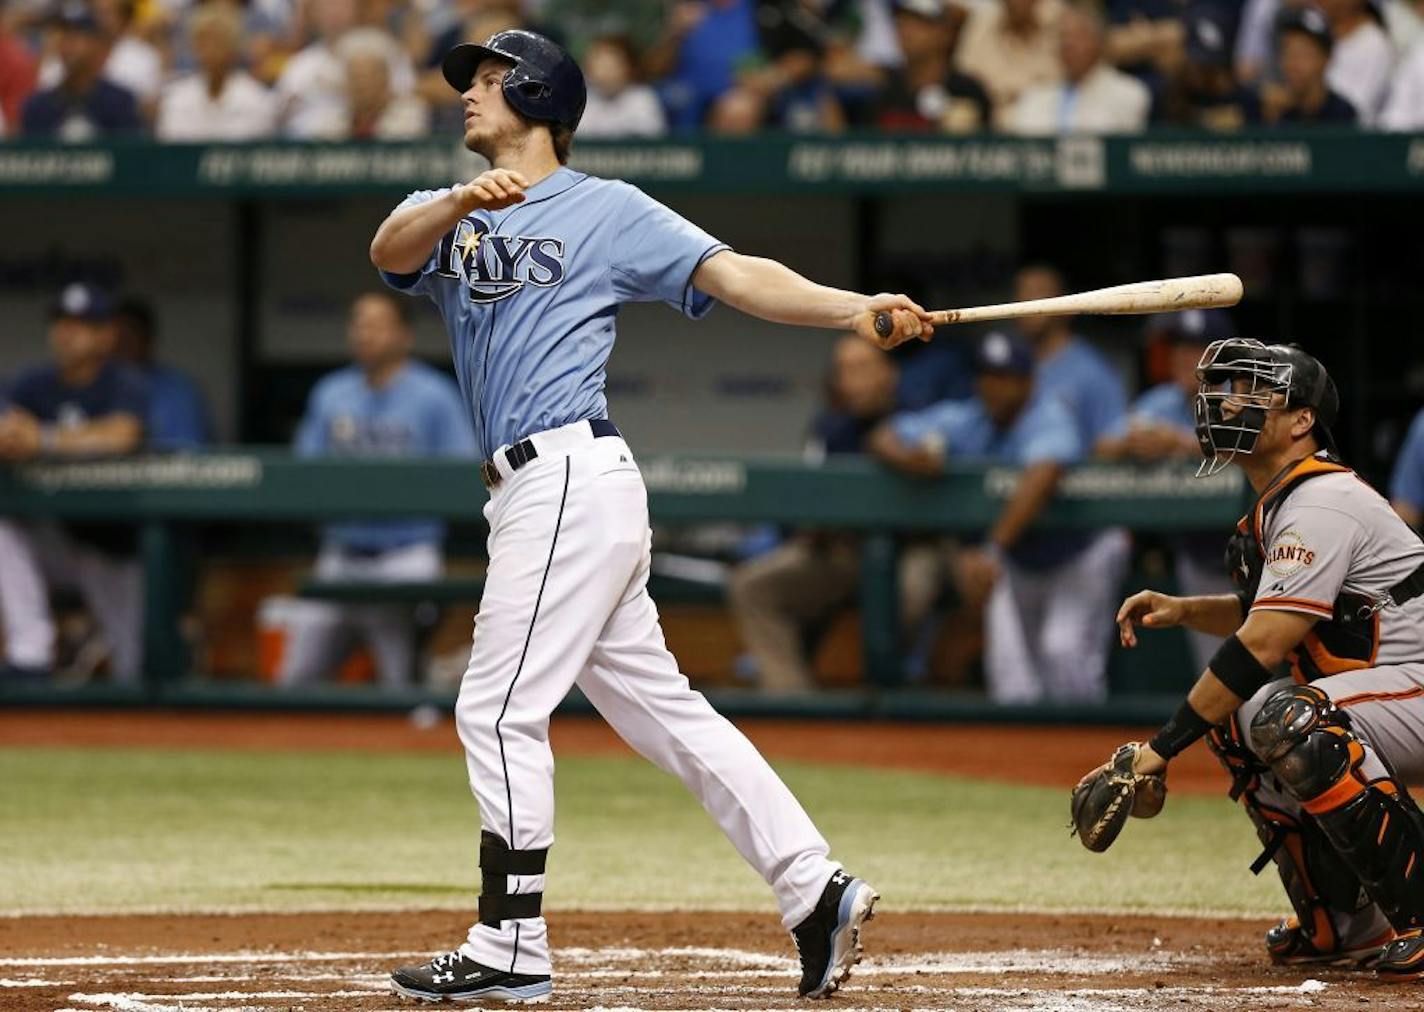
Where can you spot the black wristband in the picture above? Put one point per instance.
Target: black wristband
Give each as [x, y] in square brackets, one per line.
[1185, 727]
[1237, 668]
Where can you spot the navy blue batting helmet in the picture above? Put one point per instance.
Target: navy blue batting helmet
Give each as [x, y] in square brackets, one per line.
[545, 84]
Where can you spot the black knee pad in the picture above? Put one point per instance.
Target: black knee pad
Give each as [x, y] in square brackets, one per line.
[1306, 741]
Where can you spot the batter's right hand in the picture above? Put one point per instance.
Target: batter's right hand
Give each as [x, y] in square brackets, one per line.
[908, 318]
[491, 191]
[1160, 611]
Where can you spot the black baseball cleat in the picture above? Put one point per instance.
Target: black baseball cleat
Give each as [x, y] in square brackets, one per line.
[829, 938]
[1403, 958]
[1288, 945]
[456, 977]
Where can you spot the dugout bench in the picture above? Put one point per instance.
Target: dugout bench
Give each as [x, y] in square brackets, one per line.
[163, 495]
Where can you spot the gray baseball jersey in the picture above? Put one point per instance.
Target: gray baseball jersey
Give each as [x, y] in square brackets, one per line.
[1334, 535]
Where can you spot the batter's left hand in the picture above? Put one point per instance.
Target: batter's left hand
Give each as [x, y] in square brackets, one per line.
[910, 319]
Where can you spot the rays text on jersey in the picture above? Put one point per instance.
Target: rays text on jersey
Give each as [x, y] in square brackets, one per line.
[494, 266]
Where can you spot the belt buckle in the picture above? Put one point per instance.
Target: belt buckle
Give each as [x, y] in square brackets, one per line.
[489, 474]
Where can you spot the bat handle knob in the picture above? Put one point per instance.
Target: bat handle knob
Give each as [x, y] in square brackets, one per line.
[884, 325]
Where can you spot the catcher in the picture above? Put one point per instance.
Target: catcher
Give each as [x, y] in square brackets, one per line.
[1328, 588]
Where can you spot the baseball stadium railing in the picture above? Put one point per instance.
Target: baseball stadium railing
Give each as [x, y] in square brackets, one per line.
[164, 495]
[1164, 161]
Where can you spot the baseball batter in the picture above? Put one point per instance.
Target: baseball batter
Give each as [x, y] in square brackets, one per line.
[528, 264]
[1329, 582]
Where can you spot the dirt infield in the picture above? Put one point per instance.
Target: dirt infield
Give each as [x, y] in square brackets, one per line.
[628, 962]
[1047, 756]
[625, 962]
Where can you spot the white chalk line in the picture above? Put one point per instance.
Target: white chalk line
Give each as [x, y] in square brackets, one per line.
[193, 958]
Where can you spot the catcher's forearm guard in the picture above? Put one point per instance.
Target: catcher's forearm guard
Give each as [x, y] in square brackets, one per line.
[1103, 800]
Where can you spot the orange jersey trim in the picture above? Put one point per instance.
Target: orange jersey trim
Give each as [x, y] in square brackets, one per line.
[1381, 697]
[1295, 604]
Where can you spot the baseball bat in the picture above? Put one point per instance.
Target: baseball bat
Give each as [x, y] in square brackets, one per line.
[1204, 291]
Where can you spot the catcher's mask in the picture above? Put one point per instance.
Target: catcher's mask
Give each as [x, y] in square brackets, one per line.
[1253, 378]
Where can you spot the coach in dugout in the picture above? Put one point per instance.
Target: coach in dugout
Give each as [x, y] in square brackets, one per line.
[1049, 595]
[84, 404]
[1161, 426]
[386, 404]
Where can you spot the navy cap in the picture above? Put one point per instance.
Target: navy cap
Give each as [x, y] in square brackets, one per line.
[1194, 326]
[1005, 353]
[82, 301]
[76, 14]
[1308, 21]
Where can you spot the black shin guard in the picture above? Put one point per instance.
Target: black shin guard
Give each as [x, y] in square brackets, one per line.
[497, 863]
[1373, 825]
[1315, 879]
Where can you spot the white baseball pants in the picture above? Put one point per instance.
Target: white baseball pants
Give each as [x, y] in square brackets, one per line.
[36, 554]
[565, 603]
[322, 633]
[1047, 632]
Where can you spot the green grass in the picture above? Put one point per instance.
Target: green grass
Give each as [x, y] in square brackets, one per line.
[97, 830]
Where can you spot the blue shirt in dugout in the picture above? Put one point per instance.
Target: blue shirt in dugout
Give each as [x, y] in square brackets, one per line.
[117, 389]
[530, 295]
[1407, 482]
[1043, 432]
[417, 414]
[1165, 404]
[1080, 377]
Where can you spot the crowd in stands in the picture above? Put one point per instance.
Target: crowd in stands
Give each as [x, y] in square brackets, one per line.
[236, 70]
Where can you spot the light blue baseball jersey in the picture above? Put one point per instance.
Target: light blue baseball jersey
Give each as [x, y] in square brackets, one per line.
[1407, 482]
[1044, 431]
[1165, 404]
[1082, 379]
[419, 413]
[530, 294]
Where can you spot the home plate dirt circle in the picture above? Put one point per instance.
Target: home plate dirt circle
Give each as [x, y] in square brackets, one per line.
[663, 962]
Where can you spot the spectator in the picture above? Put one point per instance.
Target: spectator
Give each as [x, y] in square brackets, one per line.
[781, 599]
[178, 416]
[702, 45]
[619, 105]
[133, 62]
[1147, 38]
[312, 89]
[19, 70]
[1405, 108]
[1362, 59]
[1304, 96]
[1010, 46]
[372, 110]
[1204, 92]
[1406, 484]
[1050, 595]
[221, 102]
[386, 404]
[790, 78]
[1161, 426]
[928, 93]
[583, 23]
[83, 105]
[1092, 97]
[84, 405]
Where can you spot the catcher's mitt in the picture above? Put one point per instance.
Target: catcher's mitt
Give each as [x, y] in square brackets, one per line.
[1104, 798]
